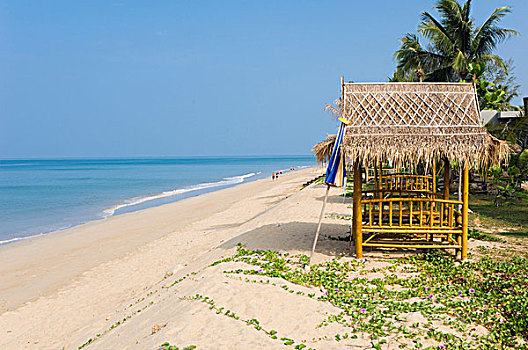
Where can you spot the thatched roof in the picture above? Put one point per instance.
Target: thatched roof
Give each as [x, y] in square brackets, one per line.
[413, 122]
[323, 150]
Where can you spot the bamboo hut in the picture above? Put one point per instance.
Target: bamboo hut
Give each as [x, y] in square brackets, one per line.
[418, 126]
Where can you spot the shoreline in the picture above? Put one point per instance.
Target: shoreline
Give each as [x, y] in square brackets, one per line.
[38, 266]
[188, 191]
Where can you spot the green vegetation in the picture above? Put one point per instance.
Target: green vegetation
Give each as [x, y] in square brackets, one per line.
[316, 180]
[454, 42]
[511, 218]
[481, 236]
[491, 292]
[167, 346]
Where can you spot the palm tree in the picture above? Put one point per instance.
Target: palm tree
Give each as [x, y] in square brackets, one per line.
[454, 42]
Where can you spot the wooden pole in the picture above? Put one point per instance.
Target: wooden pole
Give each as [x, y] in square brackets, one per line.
[357, 216]
[433, 196]
[447, 168]
[319, 224]
[376, 181]
[351, 231]
[343, 101]
[380, 168]
[344, 189]
[459, 185]
[465, 210]
[381, 179]
[434, 177]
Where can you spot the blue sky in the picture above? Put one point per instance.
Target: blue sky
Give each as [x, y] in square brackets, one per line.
[182, 78]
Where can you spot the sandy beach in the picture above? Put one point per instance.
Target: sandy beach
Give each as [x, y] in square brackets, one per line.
[59, 290]
[167, 275]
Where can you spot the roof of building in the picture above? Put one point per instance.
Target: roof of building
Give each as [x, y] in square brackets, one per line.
[416, 122]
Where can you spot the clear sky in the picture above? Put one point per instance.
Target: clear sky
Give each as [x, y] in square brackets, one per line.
[182, 78]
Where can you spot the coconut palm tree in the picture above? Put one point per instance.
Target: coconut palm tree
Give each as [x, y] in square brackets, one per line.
[454, 41]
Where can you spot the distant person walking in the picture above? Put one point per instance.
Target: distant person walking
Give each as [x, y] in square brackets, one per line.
[272, 176]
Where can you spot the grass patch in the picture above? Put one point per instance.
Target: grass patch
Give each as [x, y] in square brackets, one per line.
[517, 234]
[481, 236]
[513, 213]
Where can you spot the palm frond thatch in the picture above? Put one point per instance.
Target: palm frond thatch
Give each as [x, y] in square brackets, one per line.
[323, 150]
[408, 123]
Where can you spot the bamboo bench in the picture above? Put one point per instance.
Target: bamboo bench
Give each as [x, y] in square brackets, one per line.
[404, 211]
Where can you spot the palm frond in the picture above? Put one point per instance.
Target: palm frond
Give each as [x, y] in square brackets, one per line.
[466, 10]
[489, 34]
[335, 109]
[433, 30]
[455, 21]
[452, 42]
[412, 55]
[496, 60]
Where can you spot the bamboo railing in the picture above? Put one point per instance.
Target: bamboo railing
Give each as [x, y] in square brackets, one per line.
[400, 214]
[407, 182]
[405, 212]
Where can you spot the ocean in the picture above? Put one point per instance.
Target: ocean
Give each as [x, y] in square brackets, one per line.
[40, 196]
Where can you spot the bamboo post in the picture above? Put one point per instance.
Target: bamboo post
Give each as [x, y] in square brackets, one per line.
[459, 209]
[351, 231]
[319, 224]
[344, 188]
[357, 216]
[447, 168]
[376, 181]
[434, 177]
[433, 196]
[465, 215]
[343, 101]
[380, 167]
[459, 184]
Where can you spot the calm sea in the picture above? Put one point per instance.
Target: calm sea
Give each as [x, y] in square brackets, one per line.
[42, 196]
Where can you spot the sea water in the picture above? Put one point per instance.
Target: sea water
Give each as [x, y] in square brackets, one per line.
[39, 196]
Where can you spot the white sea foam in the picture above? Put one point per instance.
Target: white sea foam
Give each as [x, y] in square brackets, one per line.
[138, 200]
[16, 164]
[19, 238]
[43, 233]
